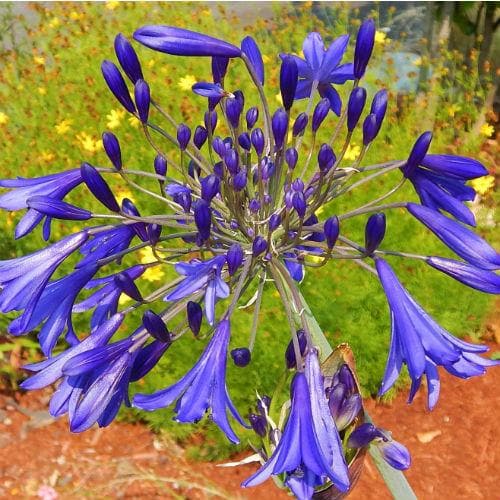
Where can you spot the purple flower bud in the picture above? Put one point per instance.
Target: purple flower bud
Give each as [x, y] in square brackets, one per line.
[258, 423]
[417, 153]
[160, 165]
[319, 114]
[291, 361]
[252, 117]
[355, 106]
[228, 142]
[203, 219]
[298, 185]
[210, 120]
[364, 435]
[128, 58]
[300, 124]
[374, 232]
[219, 147]
[219, 68]
[154, 233]
[299, 203]
[98, 187]
[142, 99]
[258, 140]
[267, 199]
[193, 168]
[326, 158]
[240, 180]
[184, 199]
[331, 229]
[139, 228]
[279, 125]
[194, 316]
[126, 284]
[234, 258]
[208, 89]
[156, 327]
[200, 136]
[336, 399]
[364, 47]
[112, 148]
[182, 42]
[291, 157]
[259, 246]
[268, 169]
[250, 48]
[254, 205]
[234, 225]
[244, 141]
[349, 411]
[219, 169]
[289, 75]
[346, 377]
[369, 129]
[241, 356]
[183, 136]
[395, 454]
[232, 160]
[274, 222]
[379, 107]
[117, 85]
[233, 112]
[58, 209]
[210, 186]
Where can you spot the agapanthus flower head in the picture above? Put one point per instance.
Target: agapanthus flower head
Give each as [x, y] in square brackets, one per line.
[243, 206]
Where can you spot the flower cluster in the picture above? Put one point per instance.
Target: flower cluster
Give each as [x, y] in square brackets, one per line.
[242, 198]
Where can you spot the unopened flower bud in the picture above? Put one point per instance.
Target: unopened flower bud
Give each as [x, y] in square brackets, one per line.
[326, 158]
[279, 125]
[112, 149]
[183, 136]
[127, 286]
[128, 58]
[291, 157]
[200, 136]
[259, 246]
[258, 141]
[160, 165]
[234, 258]
[289, 75]
[364, 47]
[374, 232]
[319, 113]
[291, 361]
[331, 228]
[203, 219]
[252, 116]
[194, 316]
[300, 124]
[156, 327]
[417, 153]
[355, 106]
[117, 85]
[244, 141]
[241, 356]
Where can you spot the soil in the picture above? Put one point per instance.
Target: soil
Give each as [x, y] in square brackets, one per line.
[454, 450]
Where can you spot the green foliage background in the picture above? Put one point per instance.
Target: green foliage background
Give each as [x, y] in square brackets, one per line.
[71, 39]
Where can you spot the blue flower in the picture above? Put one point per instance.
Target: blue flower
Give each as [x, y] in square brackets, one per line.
[202, 275]
[458, 238]
[202, 388]
[420, 343]
[440, 184]
[54, 308]
[105, 300]
[24, 279]
[55, 186]
[322, 66]
[300, 445]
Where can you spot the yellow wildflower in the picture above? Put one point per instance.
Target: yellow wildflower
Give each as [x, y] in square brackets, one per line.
[3, 118]
[151, 63]
[47, 156]
[186, 82]
[453, 109]
[265, 59]
[114, 118]
[123, 299]
[279, 98]
[89, 143]
[40, 60]
[111, 5]
[483, 185]
[152, 273]
[42, 90]
[487, 130]
[54, 22]
[76, 16]
[63, 127]
[381, 38]
[352, 152]
[134, 121]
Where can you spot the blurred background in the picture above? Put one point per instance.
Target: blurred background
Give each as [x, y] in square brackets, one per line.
[437, 60]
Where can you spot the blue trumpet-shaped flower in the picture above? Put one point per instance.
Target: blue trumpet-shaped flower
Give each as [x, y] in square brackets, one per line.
[420, 343]
[201, 389]
[440, 184]
[24, 279]
[322, 66]
[55, 186]
[202, 275]
[458, 238]
[300, 445]
[54, 308]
